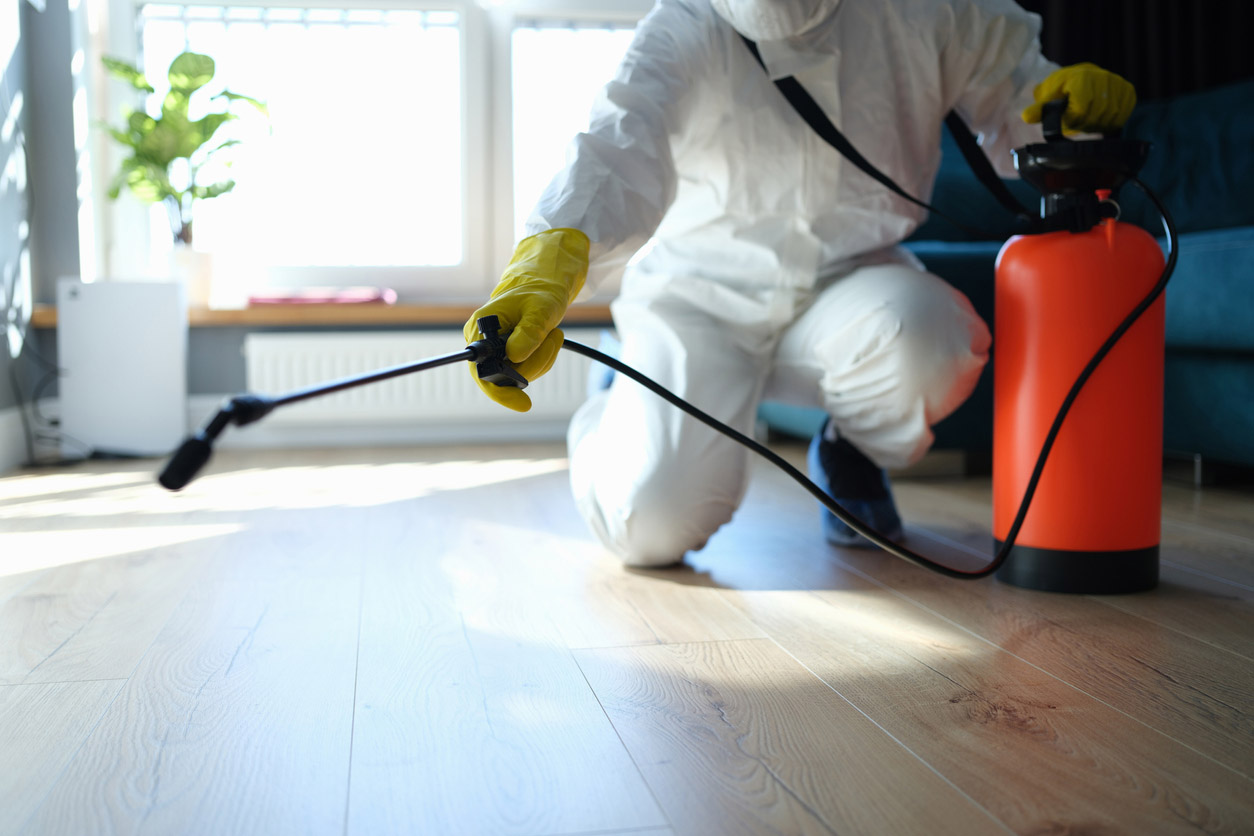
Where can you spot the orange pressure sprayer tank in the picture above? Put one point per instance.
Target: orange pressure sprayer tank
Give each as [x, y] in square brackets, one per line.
[1094, 522]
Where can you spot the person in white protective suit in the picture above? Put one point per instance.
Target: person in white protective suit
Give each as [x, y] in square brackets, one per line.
[772, 266]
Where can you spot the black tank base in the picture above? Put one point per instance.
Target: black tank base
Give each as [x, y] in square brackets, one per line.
[1081, 572]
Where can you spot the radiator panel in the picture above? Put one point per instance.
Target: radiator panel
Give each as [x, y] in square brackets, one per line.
[280, 363]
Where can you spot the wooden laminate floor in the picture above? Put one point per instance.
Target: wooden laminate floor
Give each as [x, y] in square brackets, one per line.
[425, 641]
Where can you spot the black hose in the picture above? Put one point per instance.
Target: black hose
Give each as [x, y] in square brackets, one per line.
[853, 522]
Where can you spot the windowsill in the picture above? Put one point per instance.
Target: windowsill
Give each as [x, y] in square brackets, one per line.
[296, 316]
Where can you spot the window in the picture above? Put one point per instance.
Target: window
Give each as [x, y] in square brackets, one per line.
[542, 123]
[396, 157]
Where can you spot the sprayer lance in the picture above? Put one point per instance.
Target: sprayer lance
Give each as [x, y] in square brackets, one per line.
[488, 355]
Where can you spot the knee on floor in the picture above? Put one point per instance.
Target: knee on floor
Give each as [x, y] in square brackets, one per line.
[661, 526]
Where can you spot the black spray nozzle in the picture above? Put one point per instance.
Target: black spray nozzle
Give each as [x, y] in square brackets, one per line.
[194, 453]
[490, 361]
[242, 410]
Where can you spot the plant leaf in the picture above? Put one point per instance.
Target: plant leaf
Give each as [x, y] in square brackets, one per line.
[190, 71]
[206, 127]
[140, 124]
[127, 73]
[149, 182]
[229, 143]
[175, 105]
[216, 190]
[122, 137]
[236, 97]
[115, 185]
[163, 144]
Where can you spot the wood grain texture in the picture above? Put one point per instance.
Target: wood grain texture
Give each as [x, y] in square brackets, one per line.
[1216, 612]
[237, 721]
[92, 620]
[590, 597]
[1210, 532]
[1219, 510]
[1041, 756]
[379, 641]
[1186, 688]
[736, 737]
[597, 602]
[472, 716]
[1201, 591]
[41, 729]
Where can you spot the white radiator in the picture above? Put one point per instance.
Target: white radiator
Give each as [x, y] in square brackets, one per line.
[443, 397]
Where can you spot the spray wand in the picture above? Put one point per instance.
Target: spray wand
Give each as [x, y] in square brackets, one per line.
[488, 355]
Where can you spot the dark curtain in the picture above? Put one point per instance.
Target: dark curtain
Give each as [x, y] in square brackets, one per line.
[1164, 47]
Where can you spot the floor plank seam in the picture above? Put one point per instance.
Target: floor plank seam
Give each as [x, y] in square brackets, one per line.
[36, 575]
[105, 711]
[780, 782]
[73, 635]
[644, 620]
[899, 655]
[1104, 601]
[893, 737]
[1174, 629]
[61, 682]
[1195, 528]
[660, 643]
[474, 661]
[616, 832]
[70, 760]
[640, 772]
[1050, 674]
[1209, 576]
[352, 729]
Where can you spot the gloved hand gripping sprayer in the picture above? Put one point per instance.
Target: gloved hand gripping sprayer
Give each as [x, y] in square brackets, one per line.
[1061, 288]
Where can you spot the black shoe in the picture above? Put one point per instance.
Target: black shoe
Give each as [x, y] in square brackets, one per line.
[861, 488]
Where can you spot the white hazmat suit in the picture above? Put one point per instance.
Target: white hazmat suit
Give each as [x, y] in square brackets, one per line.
[765, 263]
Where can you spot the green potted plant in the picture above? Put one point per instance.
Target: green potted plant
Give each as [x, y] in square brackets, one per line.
[169, 152]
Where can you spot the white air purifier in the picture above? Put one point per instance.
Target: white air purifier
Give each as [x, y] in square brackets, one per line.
[122, 351]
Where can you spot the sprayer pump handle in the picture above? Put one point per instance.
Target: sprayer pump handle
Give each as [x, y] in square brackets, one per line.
[491, 364]
[1051, 119]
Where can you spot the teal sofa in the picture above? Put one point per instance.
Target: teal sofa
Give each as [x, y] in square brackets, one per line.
[1201, 165]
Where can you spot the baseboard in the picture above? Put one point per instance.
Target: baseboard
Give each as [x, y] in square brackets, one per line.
[12, 439]
[510, 427]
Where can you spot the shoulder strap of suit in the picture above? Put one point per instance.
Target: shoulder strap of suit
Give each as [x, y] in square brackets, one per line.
[814, 116]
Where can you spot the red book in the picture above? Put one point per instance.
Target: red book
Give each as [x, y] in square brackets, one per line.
[325, 296]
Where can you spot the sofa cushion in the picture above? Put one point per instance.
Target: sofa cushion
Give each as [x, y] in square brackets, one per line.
[1207, 399]
[1210, 298]
[1200, 164]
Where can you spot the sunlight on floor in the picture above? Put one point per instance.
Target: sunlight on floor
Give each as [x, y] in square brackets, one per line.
[27, 551]
[859, 624]
[254, 489]
[32, 485]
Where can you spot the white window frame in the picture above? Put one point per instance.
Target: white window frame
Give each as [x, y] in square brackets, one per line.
[486, 29]
[505, 17]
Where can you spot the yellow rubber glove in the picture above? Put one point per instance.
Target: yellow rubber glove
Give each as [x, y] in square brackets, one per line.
[1097, 99]
[542, 279]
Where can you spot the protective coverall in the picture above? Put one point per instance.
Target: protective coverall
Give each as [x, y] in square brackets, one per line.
[762, 263]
